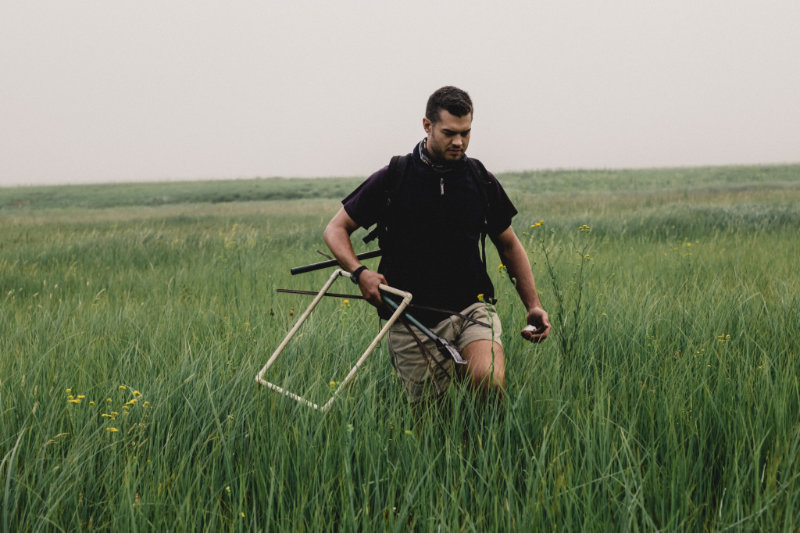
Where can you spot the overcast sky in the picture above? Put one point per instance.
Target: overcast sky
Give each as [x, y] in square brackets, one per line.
[114, 90]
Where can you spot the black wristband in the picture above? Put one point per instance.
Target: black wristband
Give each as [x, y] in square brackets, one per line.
[356, 273]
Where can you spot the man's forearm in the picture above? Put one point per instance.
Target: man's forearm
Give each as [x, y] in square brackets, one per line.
[519, 268]
[516, 260]
[513, 255]
[337, 238]
[342, 249]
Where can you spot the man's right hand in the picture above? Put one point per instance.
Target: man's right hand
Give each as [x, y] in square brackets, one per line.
[368, 282]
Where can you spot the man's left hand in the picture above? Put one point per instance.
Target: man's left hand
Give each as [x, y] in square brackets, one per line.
[538, 325]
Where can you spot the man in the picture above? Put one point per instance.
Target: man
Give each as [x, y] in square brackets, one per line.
[432, 214]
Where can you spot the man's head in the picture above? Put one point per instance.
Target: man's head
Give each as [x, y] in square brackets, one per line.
[448, 122]
[451, 99]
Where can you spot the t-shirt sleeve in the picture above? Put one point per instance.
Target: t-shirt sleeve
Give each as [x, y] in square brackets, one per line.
[368, 200]
[501, 209]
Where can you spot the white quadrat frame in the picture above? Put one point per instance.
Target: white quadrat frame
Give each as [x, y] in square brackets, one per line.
[406, 299]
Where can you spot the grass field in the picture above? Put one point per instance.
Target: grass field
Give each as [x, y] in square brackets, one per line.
[135, 317]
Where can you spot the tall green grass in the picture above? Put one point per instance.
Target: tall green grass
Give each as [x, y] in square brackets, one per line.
[131, 336]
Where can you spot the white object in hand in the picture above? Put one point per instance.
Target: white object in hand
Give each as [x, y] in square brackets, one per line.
[528, 331]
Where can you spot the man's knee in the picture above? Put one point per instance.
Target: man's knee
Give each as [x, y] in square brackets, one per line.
[486, 364]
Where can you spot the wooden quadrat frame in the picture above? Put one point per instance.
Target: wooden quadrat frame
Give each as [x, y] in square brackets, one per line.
[406, 299]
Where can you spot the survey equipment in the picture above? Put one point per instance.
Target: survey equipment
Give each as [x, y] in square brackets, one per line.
[405, 299]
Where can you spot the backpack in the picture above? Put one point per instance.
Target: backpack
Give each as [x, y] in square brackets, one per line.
[396, 174]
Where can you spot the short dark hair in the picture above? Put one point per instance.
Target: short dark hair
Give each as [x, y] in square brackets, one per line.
[452, 99]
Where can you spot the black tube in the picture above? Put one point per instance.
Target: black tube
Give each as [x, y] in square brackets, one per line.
[333, 262]
[428, 333]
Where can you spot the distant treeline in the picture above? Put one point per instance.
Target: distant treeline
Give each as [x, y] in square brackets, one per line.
[264, 189]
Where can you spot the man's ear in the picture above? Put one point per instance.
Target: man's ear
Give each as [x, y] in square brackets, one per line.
[427, 125]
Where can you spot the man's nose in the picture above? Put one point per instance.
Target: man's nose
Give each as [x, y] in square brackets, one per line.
[458, 140]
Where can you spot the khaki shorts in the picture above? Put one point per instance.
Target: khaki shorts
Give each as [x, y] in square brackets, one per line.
[423, 376]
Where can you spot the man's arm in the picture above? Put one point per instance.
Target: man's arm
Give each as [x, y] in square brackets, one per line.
[337, 237]
[516, 261]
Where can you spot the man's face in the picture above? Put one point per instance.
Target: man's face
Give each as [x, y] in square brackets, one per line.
[448, 137]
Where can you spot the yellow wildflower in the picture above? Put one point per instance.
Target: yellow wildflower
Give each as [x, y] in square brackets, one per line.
[137, 393]
[480, 297]
[74, 401]
[81, 396]
[123, 387]
[112, 430]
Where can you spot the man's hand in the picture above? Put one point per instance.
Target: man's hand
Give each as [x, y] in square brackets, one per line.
[538, 325]
[368, 282]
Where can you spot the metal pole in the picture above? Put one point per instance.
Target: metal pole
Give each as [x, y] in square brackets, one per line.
[333, 262]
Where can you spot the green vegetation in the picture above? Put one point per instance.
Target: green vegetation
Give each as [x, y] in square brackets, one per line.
[156, 194]
[131, 331]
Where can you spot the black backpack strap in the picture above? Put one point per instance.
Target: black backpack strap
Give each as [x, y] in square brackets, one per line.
[397, 170]
[394, 181]
[481, 175]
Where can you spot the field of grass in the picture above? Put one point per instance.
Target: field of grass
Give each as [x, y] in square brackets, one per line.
[135, 317]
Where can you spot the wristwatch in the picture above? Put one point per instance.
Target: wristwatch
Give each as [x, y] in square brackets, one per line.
[356, 273]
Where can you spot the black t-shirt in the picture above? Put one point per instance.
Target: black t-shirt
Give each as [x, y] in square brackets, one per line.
[436, 224]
